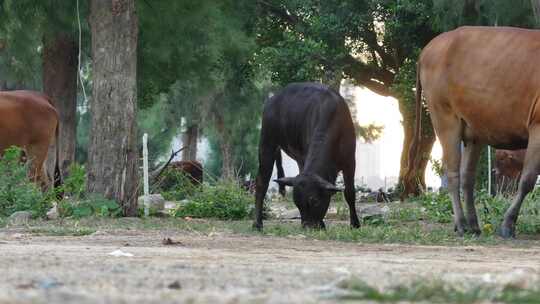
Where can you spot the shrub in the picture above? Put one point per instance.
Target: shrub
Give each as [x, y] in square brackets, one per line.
[438, 206]
[17, 192]
[175, 185]
[225, 200]
[92, 206]
[74, 185]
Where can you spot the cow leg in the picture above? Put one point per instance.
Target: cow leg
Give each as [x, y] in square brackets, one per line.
[449, 129]
[471, 154]
[37, 153]
[350, 193]
[280, 172]
[531, 169]
[266, 164]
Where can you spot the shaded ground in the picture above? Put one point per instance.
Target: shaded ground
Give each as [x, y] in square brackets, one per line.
[218, 266]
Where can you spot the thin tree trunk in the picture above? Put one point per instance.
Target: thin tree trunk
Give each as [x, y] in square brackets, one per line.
[227, 161]
[60, 84]
[112, 153]
[189, 140]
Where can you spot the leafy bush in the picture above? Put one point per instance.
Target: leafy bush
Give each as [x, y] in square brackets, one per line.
[17, 192]
[225, 200]
[175, 185]
[438, 206]
[93, 206]
[74, 185]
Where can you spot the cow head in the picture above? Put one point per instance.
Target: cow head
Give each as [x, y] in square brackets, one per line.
[311, 194]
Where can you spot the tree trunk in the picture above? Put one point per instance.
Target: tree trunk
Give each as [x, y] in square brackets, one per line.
[416, 181]
[227, 161]
[112, 153]
[60, 84]
[189, 140]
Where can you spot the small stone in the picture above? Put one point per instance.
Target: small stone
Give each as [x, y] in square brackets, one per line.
[175, 285]
[52, 214]
[156, 202]
[20, 218]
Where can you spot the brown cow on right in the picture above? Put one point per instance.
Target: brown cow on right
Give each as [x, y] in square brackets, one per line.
[482, 86]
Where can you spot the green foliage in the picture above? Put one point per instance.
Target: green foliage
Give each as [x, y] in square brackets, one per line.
[438, 206]
[17, 192]
[490, 210]
[74, 185]
[175, 185]
[224, 200]
[436, 292]
[92, 206]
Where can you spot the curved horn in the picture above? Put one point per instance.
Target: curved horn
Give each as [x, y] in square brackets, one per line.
[286, 181]
[327, 185]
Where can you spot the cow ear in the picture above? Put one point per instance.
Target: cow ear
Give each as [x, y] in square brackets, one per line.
[286, 181]
[326, 185]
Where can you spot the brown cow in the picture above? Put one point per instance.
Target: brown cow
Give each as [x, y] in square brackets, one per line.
[482, 85]
[191, 168]
[508, 166]
[29, 121]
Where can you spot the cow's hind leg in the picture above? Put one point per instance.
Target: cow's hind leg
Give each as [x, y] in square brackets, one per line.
[267, 153]
[37, 154]
[350, 194]
[531, 169]
[449, 129]
[471, 154]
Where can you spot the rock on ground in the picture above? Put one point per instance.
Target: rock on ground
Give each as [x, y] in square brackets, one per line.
[19, 218]
[155, 201]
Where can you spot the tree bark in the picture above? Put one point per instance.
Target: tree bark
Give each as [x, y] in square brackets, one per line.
[189, 140]
[112, 153]
[416, 183]
[227, 161]
[60, 84]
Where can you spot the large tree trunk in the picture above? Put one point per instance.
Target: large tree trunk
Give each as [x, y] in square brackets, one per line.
[112, 153]
[60, 84]
[417, 181]
[189, 140]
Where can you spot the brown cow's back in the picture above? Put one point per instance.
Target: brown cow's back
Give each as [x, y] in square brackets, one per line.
[27, 118]
[489, 78]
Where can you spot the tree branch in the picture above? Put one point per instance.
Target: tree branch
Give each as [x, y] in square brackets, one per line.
[376, 79]
[157, 173]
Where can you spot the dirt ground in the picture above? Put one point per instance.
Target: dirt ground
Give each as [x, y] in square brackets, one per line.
[228, 268]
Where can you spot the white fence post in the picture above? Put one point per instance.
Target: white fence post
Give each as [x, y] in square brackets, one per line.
[489, 170]
[145, 174]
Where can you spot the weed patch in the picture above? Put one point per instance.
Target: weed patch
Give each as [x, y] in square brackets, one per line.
[224, 200]
[17, 192]
[436, 292]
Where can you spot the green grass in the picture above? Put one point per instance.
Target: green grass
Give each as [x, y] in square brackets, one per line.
[391, 231]
[435, 292]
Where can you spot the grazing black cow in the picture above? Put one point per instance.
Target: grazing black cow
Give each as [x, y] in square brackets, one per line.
[313, 125]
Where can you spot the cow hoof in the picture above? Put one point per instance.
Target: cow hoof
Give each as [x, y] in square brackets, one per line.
[257, 226]
[507, 232]
[459, 231]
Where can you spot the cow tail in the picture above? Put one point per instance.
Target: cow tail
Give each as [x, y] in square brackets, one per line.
[413, 150]
[57, 173]
[280, 172]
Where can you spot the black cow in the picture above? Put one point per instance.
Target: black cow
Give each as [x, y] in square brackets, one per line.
[313, 125]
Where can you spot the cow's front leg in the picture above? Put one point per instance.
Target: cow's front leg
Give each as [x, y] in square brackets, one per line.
[531, 168]
[350, 194]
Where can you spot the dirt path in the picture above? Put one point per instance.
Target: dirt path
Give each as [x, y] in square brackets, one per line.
[224, 268]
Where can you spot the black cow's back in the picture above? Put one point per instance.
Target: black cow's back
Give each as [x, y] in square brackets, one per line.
[301, 111]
